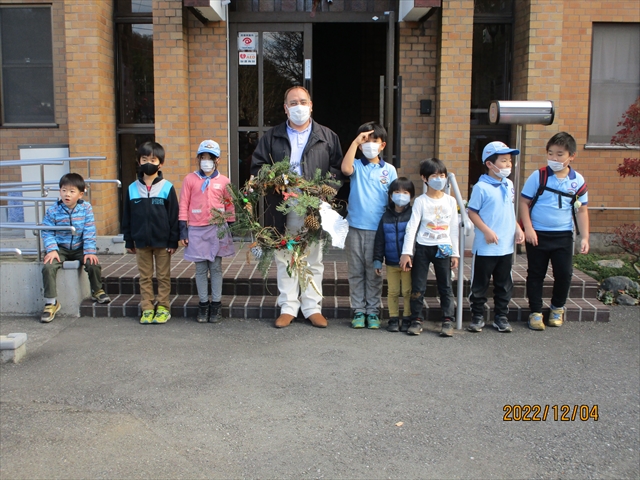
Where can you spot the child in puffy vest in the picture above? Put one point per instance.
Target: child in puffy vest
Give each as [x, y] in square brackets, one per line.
[388, 248]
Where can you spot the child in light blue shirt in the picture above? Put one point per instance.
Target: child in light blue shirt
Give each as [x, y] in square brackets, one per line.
[370, 178]
[548, 212]
[491, 209]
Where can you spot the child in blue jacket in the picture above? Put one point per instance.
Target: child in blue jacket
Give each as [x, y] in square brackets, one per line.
[388, 247]
[62, 245]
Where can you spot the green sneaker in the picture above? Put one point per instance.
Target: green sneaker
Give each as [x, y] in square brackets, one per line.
[147, 316]
[358, 320]
[535, 321]
[556, 317]
[162, 315]
[373, 321]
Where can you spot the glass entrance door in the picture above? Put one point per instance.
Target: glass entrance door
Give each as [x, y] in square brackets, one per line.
[265, 60]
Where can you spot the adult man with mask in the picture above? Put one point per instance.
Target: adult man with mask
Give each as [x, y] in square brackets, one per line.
[308, 146]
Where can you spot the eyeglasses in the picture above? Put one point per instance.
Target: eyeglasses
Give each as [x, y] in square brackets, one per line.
[295, 103]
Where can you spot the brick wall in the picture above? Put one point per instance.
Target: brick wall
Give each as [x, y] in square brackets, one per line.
[171, 74]
[91, 101]
[417, 64]
[454, 88]
[208, 107]
[553, 62]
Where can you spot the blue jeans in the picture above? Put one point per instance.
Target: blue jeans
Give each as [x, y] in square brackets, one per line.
[422, 258]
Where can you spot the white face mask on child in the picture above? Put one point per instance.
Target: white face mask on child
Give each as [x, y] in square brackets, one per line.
[400, 199]
[371, 150]
[207, 165]
[555, 166]
[437, 183]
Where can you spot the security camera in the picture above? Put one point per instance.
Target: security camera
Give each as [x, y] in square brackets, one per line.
[329, 2]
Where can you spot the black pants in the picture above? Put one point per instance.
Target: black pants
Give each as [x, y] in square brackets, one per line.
[423, 257]
[557, 247]
[483, 268]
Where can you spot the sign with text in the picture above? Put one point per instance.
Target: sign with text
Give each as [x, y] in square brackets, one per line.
[248, 41]
[247, 58]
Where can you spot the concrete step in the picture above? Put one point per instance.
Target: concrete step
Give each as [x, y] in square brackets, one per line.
[333, 307]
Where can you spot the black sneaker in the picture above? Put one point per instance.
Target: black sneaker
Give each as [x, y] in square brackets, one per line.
[203, 312]
[447, 329]
[477, 322]
[502, 324]
[100, 296]
[393, 325]
[215, 312]
[406, 323]
[415, 328]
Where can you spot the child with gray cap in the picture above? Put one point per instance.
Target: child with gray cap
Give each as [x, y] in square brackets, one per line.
[491, 209]
[203, 192]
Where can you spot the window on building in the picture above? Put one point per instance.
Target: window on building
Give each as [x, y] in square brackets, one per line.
[27, 66]
[615, 77]
[135, 81]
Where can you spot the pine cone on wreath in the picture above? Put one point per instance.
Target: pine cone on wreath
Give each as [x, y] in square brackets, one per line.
[328, 191]
[312, 222]
[279, 181]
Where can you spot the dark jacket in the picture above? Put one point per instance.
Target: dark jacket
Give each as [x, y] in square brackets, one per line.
[390, 237]
[322, 151]
[150, 218]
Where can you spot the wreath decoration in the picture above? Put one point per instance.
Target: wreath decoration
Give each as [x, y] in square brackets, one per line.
[301, 196]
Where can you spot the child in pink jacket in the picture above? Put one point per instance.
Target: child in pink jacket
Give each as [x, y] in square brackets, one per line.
[204, 190]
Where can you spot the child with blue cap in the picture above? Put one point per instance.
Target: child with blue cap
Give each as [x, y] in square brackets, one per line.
[491, 209]
[203, 192]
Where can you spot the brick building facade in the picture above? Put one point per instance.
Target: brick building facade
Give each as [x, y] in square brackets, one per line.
[550, 59]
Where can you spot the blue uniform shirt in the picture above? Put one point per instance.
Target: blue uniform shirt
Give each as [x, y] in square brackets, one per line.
[493, 201]
[545, 215]
[368, 198]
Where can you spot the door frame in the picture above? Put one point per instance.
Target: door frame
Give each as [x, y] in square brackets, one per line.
[234, 128]
[259, 22]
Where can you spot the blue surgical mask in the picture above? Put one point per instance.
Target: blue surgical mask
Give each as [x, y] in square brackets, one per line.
[555, 166]
[437, 183]
[400, 199]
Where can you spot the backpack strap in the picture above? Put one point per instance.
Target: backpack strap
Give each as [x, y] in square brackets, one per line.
[542, 181]
[543, 177]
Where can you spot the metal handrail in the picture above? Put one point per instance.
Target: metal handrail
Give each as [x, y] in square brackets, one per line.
[28, 199]
[44, 191]
[36, 226]
[15, 251]
[26, 163]
[465, 227]
[47, 161]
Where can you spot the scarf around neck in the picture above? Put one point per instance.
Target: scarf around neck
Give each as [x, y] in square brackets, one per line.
[206, 178]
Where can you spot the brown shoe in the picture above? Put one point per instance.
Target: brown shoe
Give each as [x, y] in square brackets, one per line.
[318, 320]
[283, 320]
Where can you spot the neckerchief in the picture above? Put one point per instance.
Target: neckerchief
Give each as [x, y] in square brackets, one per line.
[206, 179]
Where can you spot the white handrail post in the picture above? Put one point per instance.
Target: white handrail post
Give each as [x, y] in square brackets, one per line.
[463, 227]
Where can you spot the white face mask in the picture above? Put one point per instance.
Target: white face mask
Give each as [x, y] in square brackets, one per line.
[371, 149]
[299, 114]
[207, 165]
[555, 166]
[501, 172]
[400, 199]
[437, 183]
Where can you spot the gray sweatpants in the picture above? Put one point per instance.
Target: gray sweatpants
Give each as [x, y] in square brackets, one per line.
[215, 269]
[365, 287]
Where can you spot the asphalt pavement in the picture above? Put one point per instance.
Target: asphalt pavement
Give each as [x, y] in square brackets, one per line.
[110, 398]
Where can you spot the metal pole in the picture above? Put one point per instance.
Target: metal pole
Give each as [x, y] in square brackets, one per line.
[516, 184]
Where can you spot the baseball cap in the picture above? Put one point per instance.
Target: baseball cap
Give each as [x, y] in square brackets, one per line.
[497, 148]
[209, 146]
